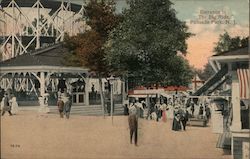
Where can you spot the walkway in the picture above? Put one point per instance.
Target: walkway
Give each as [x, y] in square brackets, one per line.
[32, 136]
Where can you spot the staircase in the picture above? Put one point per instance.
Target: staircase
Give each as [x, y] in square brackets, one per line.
[197, 122]
[90, 110]
[213, 80]
[118, 110]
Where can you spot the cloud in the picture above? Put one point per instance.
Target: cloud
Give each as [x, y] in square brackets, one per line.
[200, 47]
[239, 30]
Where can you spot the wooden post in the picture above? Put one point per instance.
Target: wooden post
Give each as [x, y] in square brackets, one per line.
[43, 96]
[42, 84]
[86, 91]
[111, 101]
[236, 123]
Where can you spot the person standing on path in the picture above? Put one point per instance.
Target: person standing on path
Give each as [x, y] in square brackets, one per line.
[14, 105]
[67, 106]
[60, 105]
[133, 123]
[176, 121]
[6, 105]
[163, 109]
[184, 118]
[208, 112]
[192, 107]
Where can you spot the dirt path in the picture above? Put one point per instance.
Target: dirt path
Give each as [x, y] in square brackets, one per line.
[32, 136]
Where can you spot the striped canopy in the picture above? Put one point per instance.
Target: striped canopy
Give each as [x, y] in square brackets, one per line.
[244, 81]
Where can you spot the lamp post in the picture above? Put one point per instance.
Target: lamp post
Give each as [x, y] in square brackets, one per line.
[111, 80]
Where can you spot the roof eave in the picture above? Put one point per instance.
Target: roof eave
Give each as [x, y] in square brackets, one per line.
[232, 58]
[58, 69]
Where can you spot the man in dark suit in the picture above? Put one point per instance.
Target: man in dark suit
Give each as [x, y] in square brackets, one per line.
[67, 106]
[6, 106]
[133, 123]
[184, 118]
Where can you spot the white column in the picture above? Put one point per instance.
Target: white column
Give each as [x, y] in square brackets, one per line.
[43, 96]
[13, 32]
[86, 91]
[38, 27]
[123, 91]
[42, 84]
[236, 123]
[111, 100]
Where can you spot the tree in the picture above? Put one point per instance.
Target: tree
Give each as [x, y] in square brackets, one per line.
[146, 43]
[227, 43]
[87, 48]
[206, 73]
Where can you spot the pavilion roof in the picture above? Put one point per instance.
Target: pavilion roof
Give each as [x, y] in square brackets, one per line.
[238, 52]
[50, 56]
[45, 59]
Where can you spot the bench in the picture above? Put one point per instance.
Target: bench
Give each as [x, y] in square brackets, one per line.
[197, 122]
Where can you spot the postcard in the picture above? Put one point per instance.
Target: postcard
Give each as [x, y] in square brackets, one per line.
[124, 79]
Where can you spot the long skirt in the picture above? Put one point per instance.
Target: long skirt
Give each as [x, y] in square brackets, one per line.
[164, 117]
[14, 108]
[176, 125]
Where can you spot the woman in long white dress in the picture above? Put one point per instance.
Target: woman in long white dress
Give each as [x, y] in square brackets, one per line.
[2, 104]
[14, 105]
[170, 112]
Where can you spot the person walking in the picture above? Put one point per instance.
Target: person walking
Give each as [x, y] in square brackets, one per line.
[6, 105]
[184, 118]
[192, 108]
[208, 113]
[126, 111]
[60, 105]
[140, 109]
[163, 109]
[201, 111]
[133, 123]
[176, 126]
[150, 110]
[14, 105]
[157, 111]
[67, 106]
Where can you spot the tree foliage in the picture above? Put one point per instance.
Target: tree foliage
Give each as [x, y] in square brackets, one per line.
[205, 73]
[146, 43]
[227, 43]
[87, 48]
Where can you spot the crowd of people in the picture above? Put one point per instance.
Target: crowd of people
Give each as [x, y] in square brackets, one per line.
[178, 109]
[9, 104]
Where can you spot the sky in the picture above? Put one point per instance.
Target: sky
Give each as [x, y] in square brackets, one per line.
[201, 45]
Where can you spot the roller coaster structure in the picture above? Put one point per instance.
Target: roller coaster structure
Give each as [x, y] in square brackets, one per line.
[32, 24]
